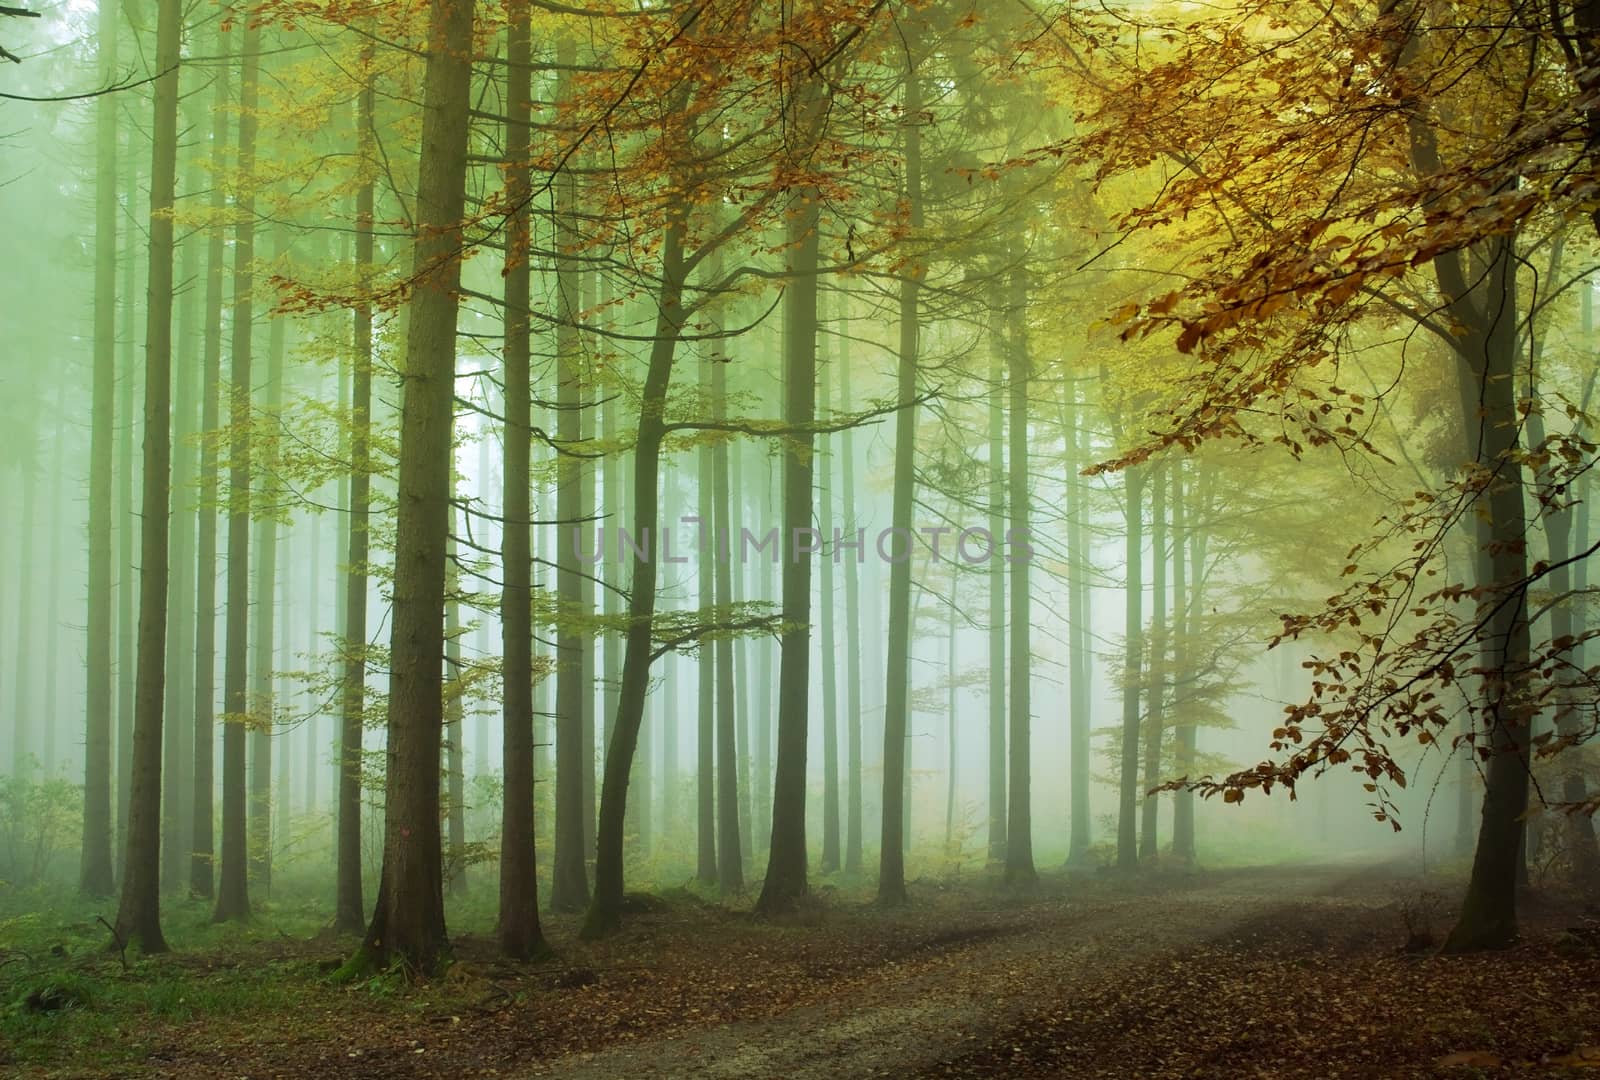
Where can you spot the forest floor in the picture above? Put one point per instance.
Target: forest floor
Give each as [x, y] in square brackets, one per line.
[1289, 971]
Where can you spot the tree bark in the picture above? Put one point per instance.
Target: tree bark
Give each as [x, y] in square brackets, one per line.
[897, 677]
[730, 853]
[1019, 826]
[139, 913]
[518, 930]
[201, 848]
[233, 896]
[96, 876]
[1128, 781]
[605, 909]
[1155, 691]
[785, 881]
[408, 920]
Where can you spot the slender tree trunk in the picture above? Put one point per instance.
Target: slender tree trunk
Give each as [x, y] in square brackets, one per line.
[233, 895]
[139, 913]
[201, 848]
[408, 919]
[730, 854]
[178, 783]
[1155, 693]
[263, 702]
[22, 706]
[127, 524]
[705, 781]
[605, 909]
[852, 613]
[569, 886]
[897, 677]
[830, 651]
[96, 876]
[1019, 826]
[1079, 655]
[997, 598]
[455, 774]
[518, 930]
[786, 857]
[1185, 612]
[349, 908]
[951, 771]
[1128, 781]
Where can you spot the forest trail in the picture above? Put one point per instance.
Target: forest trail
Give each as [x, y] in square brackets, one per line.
[976, 992]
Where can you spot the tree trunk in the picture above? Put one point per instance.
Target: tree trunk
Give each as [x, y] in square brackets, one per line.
[830, 652]
[1128, 781]
[455, 774]
[263, 701]
[127, 523]
[139, 913]
[786, 857]
[605, 910]
[96, 876]
[1155, 693]
[1489, 910]
[518, 930]
[408, 920]
[897, 676]
[997, 596]
[233, 895]
[730, 853]
[1080, 663]
[706, 868]
[1185, 613]
[569, 885]
[1019, 826]
[202, 846]
[852, 619]
[349, 908]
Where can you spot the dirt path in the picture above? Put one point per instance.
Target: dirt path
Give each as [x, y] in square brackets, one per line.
[942, 1008]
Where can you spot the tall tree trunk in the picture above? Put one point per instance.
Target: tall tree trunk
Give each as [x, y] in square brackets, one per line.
[22, 704]
[1155, 693]
[569, 886]
[1488, 916]
[830, 651]
[178, 783]
[605, 909]
[897, 677]
[1133, 621]
[349, 908]
[455, 771]
[705, 781]
[852, 617]
[952, 757]
[518, 930]
[127, 525]
[139, 913]
[1080, 664]
[263, 701]
[1019, 825]
[730, 854]
[201, 848]
[1185, 613]
[96, 876]
[786, 856]
[408, 919]
[997, 594]
[233, 893]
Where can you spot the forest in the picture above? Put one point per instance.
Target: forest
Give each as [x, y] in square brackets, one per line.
[799, 538]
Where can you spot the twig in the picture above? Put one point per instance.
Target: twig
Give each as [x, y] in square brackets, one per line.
[122, 946]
